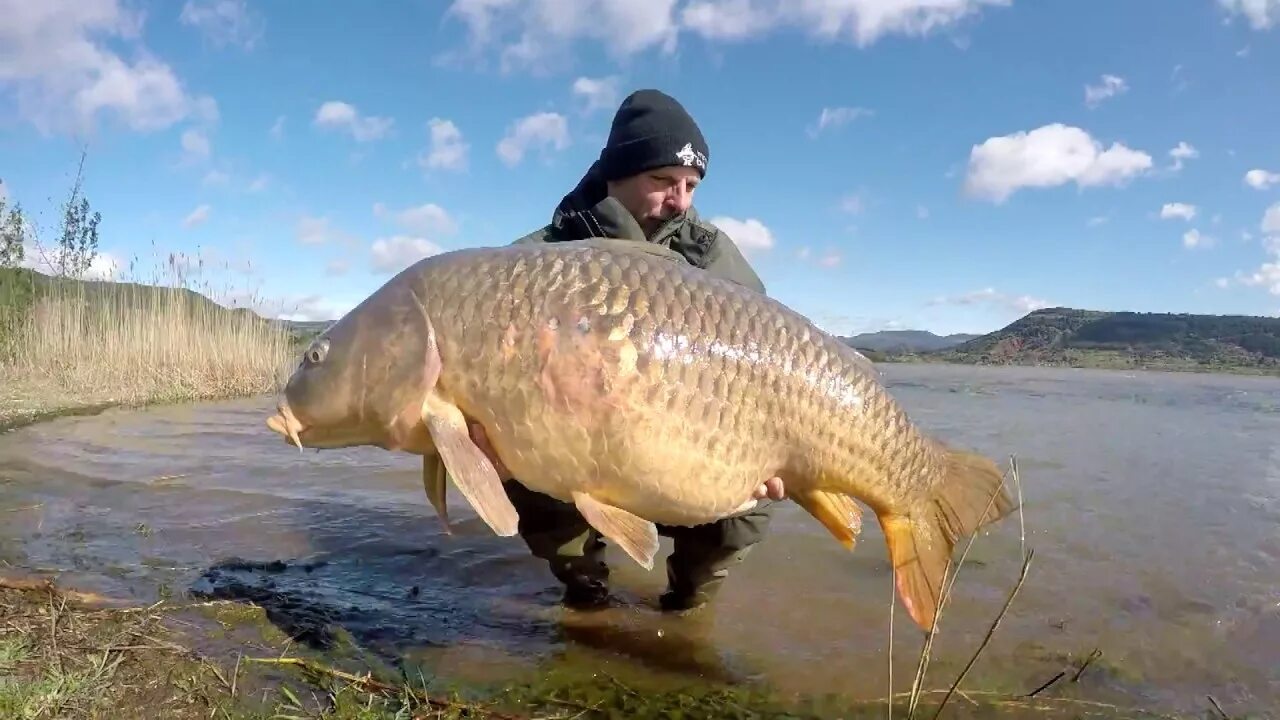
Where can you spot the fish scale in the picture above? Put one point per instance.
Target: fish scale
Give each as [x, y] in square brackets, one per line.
[644, 390]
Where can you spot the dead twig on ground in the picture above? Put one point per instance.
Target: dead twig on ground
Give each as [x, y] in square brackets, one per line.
[1022, 577]
[367, 682]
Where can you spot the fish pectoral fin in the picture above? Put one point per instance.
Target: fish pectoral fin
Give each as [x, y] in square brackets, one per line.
[435, 480]
[838, 512]
[635, 535]
[470, 469]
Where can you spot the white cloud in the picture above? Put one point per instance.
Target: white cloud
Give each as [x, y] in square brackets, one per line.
[224, 22]
[728, 19]
[989, 296]
[1178, 210]
[216, 177]
[598, 93]
[104, 266]
[1268, 273]
[428, 219]
[837, 116]
[392, 254]
[544, 129]
[1271, 220]
[1110, 86]
[1259, 179]
[1193, 239]
[862, 22]
[277, 128]
[337, 114]
[199, 216]
[195, 145]
[831, 259]
[66, 62]
[538, 33]
[1182, 152]
[1266, 276]
[534, 34]
[1261, 14]
[853, 204]
[308, 308]
[319, 231]
[1049, 156]
[448, 150]
[749, 235]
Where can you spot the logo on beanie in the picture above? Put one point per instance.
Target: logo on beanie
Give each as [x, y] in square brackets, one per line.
[689, 156]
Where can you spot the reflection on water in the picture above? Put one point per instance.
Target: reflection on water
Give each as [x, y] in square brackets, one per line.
[1152, 502]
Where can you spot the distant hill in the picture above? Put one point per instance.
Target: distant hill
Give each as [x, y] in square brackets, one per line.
[1092, 338]
[902, 341]
[19, 286]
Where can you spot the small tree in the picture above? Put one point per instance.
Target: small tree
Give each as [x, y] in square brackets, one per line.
[78, 244]
[13, 235]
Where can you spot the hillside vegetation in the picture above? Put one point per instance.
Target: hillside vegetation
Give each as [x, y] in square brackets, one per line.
[1156, 341]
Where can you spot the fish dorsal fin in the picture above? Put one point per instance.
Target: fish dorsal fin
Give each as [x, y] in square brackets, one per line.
[435, 480]
[469, 467]
[635, 535]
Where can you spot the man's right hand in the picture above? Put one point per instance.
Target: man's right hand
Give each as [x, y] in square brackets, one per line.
[481, 440]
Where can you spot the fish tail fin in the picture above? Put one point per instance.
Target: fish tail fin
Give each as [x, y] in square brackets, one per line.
[969, 496]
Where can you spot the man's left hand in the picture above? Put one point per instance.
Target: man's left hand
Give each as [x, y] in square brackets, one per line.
[773, 489]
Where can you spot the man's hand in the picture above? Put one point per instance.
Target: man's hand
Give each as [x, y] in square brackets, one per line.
[482, 441]
[772, 489]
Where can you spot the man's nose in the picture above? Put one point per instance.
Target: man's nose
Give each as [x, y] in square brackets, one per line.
[679, 198]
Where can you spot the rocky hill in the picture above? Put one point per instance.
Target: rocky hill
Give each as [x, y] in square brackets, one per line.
[1091, 338]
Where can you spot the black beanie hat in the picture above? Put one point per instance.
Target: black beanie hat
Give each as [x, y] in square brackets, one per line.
[651, 129]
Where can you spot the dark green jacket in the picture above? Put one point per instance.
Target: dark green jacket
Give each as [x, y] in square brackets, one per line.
[587, 211]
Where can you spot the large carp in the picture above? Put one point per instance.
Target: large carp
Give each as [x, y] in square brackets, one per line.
[639, 388]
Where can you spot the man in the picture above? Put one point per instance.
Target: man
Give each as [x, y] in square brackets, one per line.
[641, 188]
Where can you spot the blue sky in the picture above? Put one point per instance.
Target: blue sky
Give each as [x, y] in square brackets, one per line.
[937, 164]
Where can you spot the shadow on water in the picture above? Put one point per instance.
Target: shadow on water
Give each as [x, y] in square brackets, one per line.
[1151, 503]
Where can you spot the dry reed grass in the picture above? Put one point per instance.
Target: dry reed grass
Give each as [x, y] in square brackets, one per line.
[136, 343]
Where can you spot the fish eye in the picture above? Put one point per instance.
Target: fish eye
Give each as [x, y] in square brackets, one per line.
[317, 352]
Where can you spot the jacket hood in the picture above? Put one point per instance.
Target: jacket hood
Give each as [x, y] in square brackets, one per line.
[588, 211]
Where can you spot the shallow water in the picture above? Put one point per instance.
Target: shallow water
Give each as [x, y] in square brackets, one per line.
[1152, 502]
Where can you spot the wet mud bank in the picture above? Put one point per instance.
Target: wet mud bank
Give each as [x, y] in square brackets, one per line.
[65, 653]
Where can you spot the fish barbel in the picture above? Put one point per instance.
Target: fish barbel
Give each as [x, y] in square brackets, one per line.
[641, 389]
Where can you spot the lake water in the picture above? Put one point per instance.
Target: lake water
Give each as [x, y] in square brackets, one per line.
[1151, 500]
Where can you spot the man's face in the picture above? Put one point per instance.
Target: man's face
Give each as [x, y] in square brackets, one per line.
[657, 195]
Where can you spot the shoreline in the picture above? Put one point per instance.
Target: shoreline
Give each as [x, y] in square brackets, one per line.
[1179, 368]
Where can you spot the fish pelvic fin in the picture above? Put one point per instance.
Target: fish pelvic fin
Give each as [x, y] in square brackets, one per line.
[636, 536]
[435, 480]
[469, 467]
[837, 512]
[970, 495]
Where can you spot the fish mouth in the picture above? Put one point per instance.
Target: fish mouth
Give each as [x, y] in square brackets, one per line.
[285, 423]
